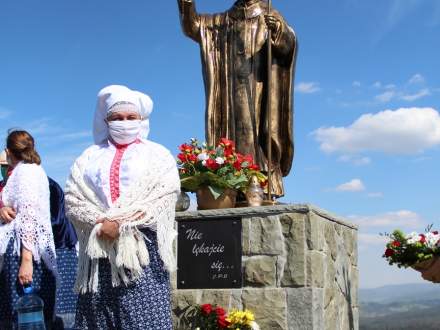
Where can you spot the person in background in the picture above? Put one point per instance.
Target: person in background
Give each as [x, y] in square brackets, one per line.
[27, 249]
[65, 246]
[121, 196]
[5, 169]
[67, 260]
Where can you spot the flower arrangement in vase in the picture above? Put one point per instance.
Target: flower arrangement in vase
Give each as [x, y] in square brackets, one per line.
[415, 250]
[216, 173]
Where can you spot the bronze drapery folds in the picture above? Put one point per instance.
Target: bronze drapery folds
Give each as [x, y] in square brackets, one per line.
[235, 71]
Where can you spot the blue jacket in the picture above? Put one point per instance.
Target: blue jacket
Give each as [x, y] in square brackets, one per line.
[63, 231]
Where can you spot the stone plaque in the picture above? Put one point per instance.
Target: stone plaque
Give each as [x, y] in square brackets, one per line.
[209, 254]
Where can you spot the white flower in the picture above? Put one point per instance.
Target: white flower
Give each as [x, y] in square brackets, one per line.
[220, 160]
[203, 156]
[432, 239]
[412, 238]
[204, 162]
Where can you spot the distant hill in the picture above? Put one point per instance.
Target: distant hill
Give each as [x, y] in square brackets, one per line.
[409, 306]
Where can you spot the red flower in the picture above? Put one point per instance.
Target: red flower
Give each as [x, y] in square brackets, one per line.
[228, 144]
[206, 309]
[422, 238]
[395, 244]
[228, 153]
[212, 164]
[182, 157]
[186, 148]
[222, 322]
[389, 252]
[237, 165]
[220, 311]
[249, 159]
[254, 167]
[192, 158]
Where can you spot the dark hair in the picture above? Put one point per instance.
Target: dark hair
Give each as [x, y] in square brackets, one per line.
[21, 144]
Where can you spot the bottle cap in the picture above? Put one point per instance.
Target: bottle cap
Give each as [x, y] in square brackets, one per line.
[28, 289]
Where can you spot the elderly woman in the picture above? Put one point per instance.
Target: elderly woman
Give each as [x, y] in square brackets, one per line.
[120, 197]
[27, 251]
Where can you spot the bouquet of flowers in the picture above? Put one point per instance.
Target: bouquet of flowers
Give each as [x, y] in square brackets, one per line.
[210, 317]
[217, 167]
[412, 250]
[213, 317]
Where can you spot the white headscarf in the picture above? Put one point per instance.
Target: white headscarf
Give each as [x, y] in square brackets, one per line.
[108, 97]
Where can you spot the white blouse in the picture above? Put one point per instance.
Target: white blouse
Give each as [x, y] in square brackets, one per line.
[27, 192]
[110, 170]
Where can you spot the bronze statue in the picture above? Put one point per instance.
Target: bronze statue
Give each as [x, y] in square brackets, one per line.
[234, 56]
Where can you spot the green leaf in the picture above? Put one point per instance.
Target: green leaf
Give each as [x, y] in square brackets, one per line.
[191, 183]
[237, 181]
[216, 191]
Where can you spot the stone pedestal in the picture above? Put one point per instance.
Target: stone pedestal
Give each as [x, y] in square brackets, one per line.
[299, 269]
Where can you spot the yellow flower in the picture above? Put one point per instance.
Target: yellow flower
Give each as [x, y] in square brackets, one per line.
[240, 317]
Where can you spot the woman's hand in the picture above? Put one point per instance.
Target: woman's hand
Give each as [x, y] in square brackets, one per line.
[26, 268]
[7, 214]
[432, 273]
[109, 229]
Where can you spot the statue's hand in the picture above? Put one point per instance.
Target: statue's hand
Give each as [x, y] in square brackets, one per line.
[273, 23]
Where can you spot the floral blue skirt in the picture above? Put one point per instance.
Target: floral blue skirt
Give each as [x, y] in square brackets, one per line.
[44, 285]
[143, 304]
[67, 263]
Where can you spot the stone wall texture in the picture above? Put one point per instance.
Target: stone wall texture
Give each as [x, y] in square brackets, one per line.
[299, 269]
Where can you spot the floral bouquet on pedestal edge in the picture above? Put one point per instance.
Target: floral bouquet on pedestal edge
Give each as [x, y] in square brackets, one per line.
[216, 167]
[413, 250]
[213, 317]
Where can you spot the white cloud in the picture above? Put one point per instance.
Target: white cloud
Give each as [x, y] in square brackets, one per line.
[307, 87]
[75, 135]
[390, 86]
[354, 185]
[416, 96]
[354, 159]
[371, 239]
[377, 84]
[356, 83]
[375, 195]
[385, 96]
[416, 79]
[402, 131]
[397, 219]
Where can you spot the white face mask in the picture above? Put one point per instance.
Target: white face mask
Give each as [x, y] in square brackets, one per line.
[124, 131]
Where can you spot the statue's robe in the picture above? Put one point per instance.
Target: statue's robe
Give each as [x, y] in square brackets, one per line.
[233, 49]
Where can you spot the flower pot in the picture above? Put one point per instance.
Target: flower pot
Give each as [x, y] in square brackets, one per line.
[423, 265]
[206, 201]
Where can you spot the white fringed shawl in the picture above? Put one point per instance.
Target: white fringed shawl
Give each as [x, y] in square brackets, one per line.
[154, 195]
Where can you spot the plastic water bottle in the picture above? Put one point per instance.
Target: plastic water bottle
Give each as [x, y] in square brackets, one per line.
[30, 311]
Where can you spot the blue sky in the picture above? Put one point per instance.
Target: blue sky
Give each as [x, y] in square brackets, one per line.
[367, 123]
